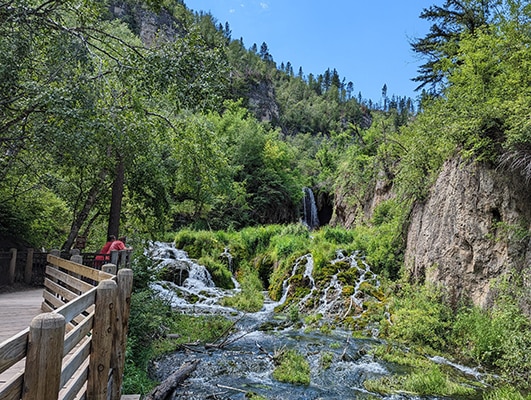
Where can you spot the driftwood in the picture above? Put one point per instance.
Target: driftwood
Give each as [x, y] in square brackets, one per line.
[225, 336]
[165, 390]
[173, 336]
[260, 347]
[231, 388]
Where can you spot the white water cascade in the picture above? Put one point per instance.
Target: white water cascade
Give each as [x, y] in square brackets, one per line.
[191, 286]
[310, 217]
[332, 303]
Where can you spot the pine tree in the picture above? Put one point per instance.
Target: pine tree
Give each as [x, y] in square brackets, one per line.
[335, 81]
[264, 52]
[327, 79]
[350, 89]
[452, 19]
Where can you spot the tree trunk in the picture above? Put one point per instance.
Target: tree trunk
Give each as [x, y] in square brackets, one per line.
[78, 222]
[166, 388]
[116, 201]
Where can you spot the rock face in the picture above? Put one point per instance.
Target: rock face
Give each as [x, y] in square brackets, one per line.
[473, 228]
[349, 209]
[262, 101]
[147, 24]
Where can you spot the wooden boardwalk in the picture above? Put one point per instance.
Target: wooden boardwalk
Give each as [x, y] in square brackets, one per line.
[17, 309]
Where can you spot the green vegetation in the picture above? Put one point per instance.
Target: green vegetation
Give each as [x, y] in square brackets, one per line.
[151, 320]
[250, 298]
[291, 367]
[497, 339]
[423, 383]
[417, 316]
[92, 120]
[505, 393]
[327, 358]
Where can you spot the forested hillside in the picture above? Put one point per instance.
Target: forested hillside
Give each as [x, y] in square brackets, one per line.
[152, 116]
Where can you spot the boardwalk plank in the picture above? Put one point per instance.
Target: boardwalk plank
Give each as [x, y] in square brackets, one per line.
[17, 309]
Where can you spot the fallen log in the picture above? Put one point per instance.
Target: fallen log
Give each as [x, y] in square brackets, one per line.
[165, 390]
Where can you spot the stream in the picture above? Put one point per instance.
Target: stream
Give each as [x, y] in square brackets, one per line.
[339, 363]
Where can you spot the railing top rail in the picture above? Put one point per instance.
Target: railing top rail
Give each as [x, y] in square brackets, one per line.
[80, 269]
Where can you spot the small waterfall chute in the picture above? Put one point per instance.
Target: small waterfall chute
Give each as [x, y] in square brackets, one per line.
[310, 217]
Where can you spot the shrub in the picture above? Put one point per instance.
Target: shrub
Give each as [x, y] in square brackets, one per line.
[497, 338]
[420, 317]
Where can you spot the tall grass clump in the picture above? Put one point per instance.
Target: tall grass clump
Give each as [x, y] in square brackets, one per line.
[432, 381]
[198, 243]
[256, 240]
[291, 241]
[420, 317]
[250, 298]
[219, 271]
[291, 367]
[506, 393]
[498, 338]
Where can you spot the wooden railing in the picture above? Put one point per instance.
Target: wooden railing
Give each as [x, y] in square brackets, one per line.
[76, 348]
[27, 265]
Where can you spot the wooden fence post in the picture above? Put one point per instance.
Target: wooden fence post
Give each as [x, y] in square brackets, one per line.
[102, 340]
[43, 360]
[12, 265]
[28, 271]
[77, 258]
[55, 252]
[109, 268]
[125, 288]
[115, 257]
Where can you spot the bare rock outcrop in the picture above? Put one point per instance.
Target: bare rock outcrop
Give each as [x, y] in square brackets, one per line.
[148, 25]
[262, 101]
[351, 208]
[472, 229]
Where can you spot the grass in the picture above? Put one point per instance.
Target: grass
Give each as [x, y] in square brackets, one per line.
[251, 298]
[326, 360]
[422, 382]
[291, 367]
[189, 328]
[506, 393]
[150, 322]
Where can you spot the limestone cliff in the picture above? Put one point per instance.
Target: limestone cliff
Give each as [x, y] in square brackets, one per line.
[149, 26]
[353, 205]
[473, 228]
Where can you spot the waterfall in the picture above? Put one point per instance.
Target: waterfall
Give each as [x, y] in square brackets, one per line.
[310, 217]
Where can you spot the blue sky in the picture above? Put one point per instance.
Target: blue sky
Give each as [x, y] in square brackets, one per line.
[366, 41]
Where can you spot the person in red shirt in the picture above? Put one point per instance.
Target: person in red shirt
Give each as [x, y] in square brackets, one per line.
[103, 255]
[119, 245]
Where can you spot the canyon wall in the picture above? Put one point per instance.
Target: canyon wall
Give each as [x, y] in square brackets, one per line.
[473, 228]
